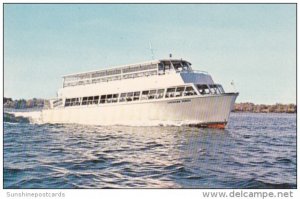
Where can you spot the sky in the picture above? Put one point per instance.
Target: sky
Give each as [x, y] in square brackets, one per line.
[253, 45]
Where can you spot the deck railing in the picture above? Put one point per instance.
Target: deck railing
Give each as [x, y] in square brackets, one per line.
[121, 76]
[200, 71]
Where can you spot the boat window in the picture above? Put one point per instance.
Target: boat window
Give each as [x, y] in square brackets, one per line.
[186, 66]
[152, 94]
[77, 102]
[214, 89]
[67, 102]
[57, 103]
[160, 66]
[109, 98]
[161, 69]
[203, 89]
[160, 93]
[72, 102]
[220, 88]
[102, 99]
[189, 90]
[170, 92]
[179, 91]
[122, 97]
[96, 99]
[144, 95]
[90, 100]
[145, 92]
[136, 96]
[181, 66]
[115, 98]
[84, 101]
[167, 65]
[130, 94]
[129, 97]
[178, 66]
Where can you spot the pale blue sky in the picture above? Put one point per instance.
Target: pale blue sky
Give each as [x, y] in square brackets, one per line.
[252, 44]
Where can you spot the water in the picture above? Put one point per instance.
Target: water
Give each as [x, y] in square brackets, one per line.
[255, 151]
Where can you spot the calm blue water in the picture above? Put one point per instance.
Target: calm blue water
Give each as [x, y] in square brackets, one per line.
[255, 151]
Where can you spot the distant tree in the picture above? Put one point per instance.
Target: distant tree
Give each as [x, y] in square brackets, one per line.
[7, 100]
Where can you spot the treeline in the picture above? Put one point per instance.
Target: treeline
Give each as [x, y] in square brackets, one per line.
[262, 108]
[22, 103]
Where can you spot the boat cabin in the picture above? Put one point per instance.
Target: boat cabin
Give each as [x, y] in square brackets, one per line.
[159, 67]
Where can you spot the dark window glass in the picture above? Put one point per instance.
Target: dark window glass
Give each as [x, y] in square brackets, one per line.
[136, 93]
[189, 90]
[115, 98]
[136, 96]
[145, 92]
[170, 92]
[84, 101]
[203, 89]
[96, 99]
[102, 99]
[160, 93]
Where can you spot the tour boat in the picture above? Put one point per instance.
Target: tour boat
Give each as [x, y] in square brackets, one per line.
[157, 92]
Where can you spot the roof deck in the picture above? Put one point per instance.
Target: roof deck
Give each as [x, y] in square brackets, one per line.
[155, 67]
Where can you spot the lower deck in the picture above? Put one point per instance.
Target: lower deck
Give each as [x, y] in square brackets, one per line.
[189, 110]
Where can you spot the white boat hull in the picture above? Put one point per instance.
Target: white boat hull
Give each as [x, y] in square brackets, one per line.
[197, 110]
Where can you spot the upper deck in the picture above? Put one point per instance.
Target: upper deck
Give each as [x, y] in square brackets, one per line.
[155, 67]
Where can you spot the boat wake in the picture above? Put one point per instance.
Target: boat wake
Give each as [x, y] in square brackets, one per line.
[35, 117]
[23, 117]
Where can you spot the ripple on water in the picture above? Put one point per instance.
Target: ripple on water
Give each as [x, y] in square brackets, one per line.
[255, 151]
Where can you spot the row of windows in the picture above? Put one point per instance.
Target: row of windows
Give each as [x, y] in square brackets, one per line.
[72, 102]
[90, 100]
[212, 89]
[171, 92]
[180, 91]
[132, 96]
[57, 102]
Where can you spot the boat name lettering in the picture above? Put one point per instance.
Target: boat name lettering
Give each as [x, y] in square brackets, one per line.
[179, 101]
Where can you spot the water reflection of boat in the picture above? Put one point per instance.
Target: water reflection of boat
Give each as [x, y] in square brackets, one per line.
[164, 91]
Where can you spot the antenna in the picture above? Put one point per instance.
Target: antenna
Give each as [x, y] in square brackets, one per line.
[233, 85]
[151, 49]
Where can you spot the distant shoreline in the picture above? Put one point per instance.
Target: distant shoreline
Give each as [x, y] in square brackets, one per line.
[248, 107]
[263, 108]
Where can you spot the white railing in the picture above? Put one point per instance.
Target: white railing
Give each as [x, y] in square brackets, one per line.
[200, 71]
[137, 74]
